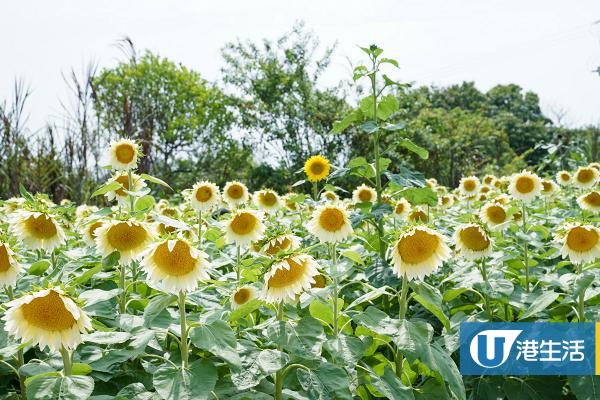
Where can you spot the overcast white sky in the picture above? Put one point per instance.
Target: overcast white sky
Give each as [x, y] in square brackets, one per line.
[548, 46]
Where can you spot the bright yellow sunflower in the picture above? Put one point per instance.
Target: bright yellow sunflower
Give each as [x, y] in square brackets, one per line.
[317, 168]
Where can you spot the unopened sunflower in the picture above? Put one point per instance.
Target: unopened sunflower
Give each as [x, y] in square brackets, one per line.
[586, 177]
[175, 265]
[128, 238]
[419, 252]
[364, 194]
[235, 193]
[204, 196]
[590, 201]
[402, 209]
[495, 216]
[330, 223]
[563, 178]
[242, 296]
[47, 318]
[525, 186]
[289, 277]
[316, 168]
[120, 194]
[580, 243]
[244, 227]
[279, 243]
[9, 267]
[37, 230]
[267, 200]
[122, 155]
[472, 242]
[469, 186]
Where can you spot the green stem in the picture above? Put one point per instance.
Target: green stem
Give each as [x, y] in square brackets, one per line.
[335, 290]
[66, 361]
[403, 306]
[182, 320]
[238, 264]
[20, 354]
[200, 229]
[279, 375]
[123, 297]
[485, 297]
[131, 199]
[525, 248]
[581, 300]
[315, 191]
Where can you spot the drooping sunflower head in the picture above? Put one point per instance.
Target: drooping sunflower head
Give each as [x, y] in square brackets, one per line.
[469, 185]
[280, 243]
[418, 216]
[244, 227]
[175, 265]
[418, 252]
[549, 188]
[580, 243]
[204, 196]
[402, 209]
[267, 200]
[330, 223]
[364, 194]
[235, 193]
[590, 201]
[472, 241]
[88, 231]
[525, 186]
[9, 267]
[47, 318]
[316, 168]
[242, 296]
[586, 177]
[122, 155]
[37, 230]
[289, 277]
[563, 178]
[128, 238]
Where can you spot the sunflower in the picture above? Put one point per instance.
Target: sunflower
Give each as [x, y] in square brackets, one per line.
[120, 194]
[83, 211]
[418, 215]
[242, 296]
[495, 216]
[581, 243]
[317, 168]
[586, 177]
[469, 186]
[281, 243]
[549, 188]
[244, 227]
[88, 231]
[9, 267]
[446, 201]
[503, 199]
[320, 282]
[431, 183]
[129, 238]
[364, 194]
[290, 201]
[289, 277]
[525, 186]
[485, 189]
[419, 252]
[330, 223]
[489, 180]
[472, 242]
[175, 265]
[402, 209]
[517, 218]
[590, 201]
[330, 196]
[594, 165]
[122, 155]
[267, 200]
[47, 318]
[37, 230]
[204, 196]
[235, 193]
[563, 178]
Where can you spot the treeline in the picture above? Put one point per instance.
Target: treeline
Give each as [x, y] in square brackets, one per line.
[262, 119]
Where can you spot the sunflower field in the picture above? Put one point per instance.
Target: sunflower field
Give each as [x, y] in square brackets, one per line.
[245, 293]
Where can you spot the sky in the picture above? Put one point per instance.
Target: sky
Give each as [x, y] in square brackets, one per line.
[546, 46]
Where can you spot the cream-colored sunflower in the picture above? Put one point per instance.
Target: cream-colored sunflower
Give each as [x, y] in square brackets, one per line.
[446, 201]
[586, 177]
[525, 186]
[175, 265]
[495, 216]
[419, 252]
[205, 195]
[472, 242]
[130, 238]
[580, 243]
[503, 199]
[235, 193]
[549, 188]
[47, 318]
[590, 201]
[489, 180]
[289, 277]
[83, 211]
[88, 231]
[469, 186]
[37, 230]
[402, 209]
[484, 189]
[121, 195]
[9, 267]
[267, 200]
[330, 223]
[329, 195]
[316, 168]
[242, 296]
[122, 155]
[279, 243]
[244, 227]
[417, 215]
[595, 165]
[563, 178]
[364, 194]
[431, 183]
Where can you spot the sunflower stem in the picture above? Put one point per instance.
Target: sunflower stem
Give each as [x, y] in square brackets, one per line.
[335, 289]
[182, 321]
[200, 230]
[279, 375]
[238, 264]
[67, 363]
[581, 300]
[131, 199]
[315, 188]
[486, 302]
[123, 297]
[525, 247]
[20, 355]
[403, 306]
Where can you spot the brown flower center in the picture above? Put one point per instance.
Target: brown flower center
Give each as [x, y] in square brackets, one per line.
[496, 214]
[243, 223]
[124, 237]
[524, 184]
[235, 191]
[585, 175]
[242, 296]
[418, 246]
[582, 239]
[274, 248]
[331, 219]
[204, 194]
[4, 258]
[317, 167]
[469, 185]
[267, 198]
[285, 277]
[365, 196]
[125, 153]
[177, 262]
[48, 313]
[473, 239]
[42, 227]
[593, 199]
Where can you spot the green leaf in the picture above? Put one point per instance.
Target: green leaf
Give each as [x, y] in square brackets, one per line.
[303, 338]
[585, 387]
[194, 383]
[257, 365]
[107, 187]
[540, 303]
[347, 350]
[389, 61]
[75, 387]
[245, 309]
[218, 338]
[340, 126]
[107, 337]
[145, 203]
[39, 267]
[390, 386]
[326, 382]
[156, 306]
[430, 298]
[156, 180]
[81, 369]
[422, 195]
[388, 105]
[410, 146]
[369, 127]
[406, 178]
[24, 193]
